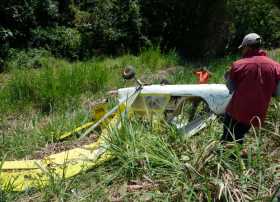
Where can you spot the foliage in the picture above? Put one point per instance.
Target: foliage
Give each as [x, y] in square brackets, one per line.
[61, 41]
[24, 59]
[110, 26]
[185, 25]
[84, 28]
[19, 17]
[259, 16]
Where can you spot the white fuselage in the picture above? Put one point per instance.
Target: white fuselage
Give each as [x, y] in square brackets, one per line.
[215, 95]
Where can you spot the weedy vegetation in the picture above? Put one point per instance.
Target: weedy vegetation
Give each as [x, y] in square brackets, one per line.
[150, 163]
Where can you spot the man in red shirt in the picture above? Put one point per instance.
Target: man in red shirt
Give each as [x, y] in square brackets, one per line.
[253, 80]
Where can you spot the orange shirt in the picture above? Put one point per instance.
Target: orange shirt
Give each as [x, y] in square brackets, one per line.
[202, 76]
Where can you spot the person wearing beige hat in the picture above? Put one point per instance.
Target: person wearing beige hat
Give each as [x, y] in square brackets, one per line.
[253, 81]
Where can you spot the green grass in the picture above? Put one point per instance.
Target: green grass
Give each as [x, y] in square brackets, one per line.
[58, 84]
[151, 163]
[50, 87]
[168, 167]
[24, 134]
[38, 104]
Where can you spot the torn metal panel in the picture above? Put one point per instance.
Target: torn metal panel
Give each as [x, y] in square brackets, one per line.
[216, 95]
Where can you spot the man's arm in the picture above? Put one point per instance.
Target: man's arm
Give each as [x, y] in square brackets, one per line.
[229, 82]
[277, 92]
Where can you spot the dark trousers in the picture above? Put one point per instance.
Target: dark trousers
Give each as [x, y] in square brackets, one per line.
[234, 130]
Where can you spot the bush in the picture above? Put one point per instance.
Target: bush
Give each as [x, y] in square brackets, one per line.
[20, 16]
[24, 59]
[110, 27]
[75, 29]
[260, 16]
[198, 28]
[185, 25]
[61, 41]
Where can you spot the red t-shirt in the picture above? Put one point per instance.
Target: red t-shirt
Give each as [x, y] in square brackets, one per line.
[255, 78]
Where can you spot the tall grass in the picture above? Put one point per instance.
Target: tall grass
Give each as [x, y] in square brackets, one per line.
[58, 83]
[152, 163]
[59, 88]
[139, 151]
[158, 167]
[53, 86]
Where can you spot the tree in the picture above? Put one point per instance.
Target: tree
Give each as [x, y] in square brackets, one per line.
[182, 24]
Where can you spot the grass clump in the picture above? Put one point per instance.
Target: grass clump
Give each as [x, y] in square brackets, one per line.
[155, 60]
[26, 59]
[51, 87]
[139, 151]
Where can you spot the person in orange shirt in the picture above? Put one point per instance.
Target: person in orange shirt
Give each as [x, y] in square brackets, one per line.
[202, 75]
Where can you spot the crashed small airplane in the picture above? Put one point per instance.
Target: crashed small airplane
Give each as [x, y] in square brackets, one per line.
[190, 108]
